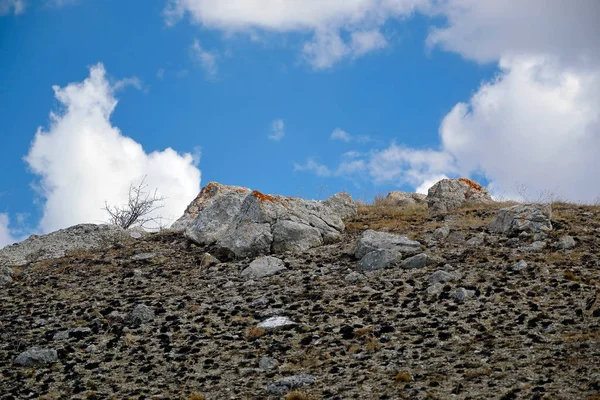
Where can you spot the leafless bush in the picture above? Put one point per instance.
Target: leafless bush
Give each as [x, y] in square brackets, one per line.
[140, 204]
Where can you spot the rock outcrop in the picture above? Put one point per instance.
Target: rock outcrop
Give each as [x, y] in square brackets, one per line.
[450, 194]
[57, 244]
[523, 218]
[404, 199]
[244, 223]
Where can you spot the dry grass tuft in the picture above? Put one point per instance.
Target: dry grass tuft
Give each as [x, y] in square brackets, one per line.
[255, 333]
[197, 396]
[403, 377]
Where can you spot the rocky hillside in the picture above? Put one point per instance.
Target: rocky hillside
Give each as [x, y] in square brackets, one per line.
[467, 302]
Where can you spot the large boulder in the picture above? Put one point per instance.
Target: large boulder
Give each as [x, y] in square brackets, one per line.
[371, 240]
[223, 200]
[404, 199]
[240, 222]
[523, 217]
[58, 244]
[450, 194]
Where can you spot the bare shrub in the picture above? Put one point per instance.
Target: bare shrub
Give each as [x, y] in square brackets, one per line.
[140, 204]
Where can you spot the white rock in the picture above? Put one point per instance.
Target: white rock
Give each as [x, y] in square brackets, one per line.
[276, 323]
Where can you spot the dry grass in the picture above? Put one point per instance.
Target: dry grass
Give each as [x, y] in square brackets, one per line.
[255, 333]
[197, 396]
[403, 377]
[476, 373]
[297, 395]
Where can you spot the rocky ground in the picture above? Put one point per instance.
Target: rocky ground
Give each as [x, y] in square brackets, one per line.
[156, 319]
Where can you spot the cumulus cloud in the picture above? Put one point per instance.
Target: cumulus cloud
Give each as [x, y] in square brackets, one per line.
[339, 134]
[12, 6]
[313, 166]
[206, 59]
[340, 28]
[277, 130]
[6, 236]
[82, 160]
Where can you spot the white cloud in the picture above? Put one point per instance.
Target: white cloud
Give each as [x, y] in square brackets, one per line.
[206, 59]
[486, 31]
[339, 134]
[82, 160]
[6, 236]
[312, 166]
[536, 124]
[361, 20]
[160, 73]
[12, 6]
[277, 130]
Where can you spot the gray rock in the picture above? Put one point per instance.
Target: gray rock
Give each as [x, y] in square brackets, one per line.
[57, 244]
[219, 198]
[441, 233]
[262, 267]
[440, 276]
[244, 223]
[267, 364]
[533, 247]
[435, 289]
[342, 205]
[371, 240]
[565, 243]
[378, 259]
[37, 356]
[354, 277]
[404, 199]
[450, 194]
[476, 241]
[463, 294]
[523, 217]
[6, 275]
[519, 266]
[415, 262]
[286, 384]
[540, 236]
[141, 314]
[455, 238]
[208, 259]
[276, 323]
[142, 257]
[295, 237]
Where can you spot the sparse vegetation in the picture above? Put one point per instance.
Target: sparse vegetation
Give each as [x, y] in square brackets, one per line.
[137, 212]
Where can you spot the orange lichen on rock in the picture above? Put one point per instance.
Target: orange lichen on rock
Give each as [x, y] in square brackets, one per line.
[474, 185]
[263, 197]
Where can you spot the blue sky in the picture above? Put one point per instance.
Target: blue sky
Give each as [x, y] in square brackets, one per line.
[414, 89]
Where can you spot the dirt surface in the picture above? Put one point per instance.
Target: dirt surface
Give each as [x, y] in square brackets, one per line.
[528, 334]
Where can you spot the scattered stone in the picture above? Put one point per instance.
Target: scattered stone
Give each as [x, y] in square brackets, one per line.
[415, 262]
[244, 223]
[267, 364]
[57, 244]
[378, 259]
[450, 194]
[476, 241]
[404, 199]
[533, 247]
[540, 236]
[263, 267]
[142, 257]
[371, 240]
[435, 289]
[463, 294]
[37, 356]
[523, 217]
[354, 277]
[208, 260]
[290, 383]
[6, 275]
[72, 333]
[141, 314]
[519, 266]
[441, 276]
[565, 243]
[441, 233]
[276, 323]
